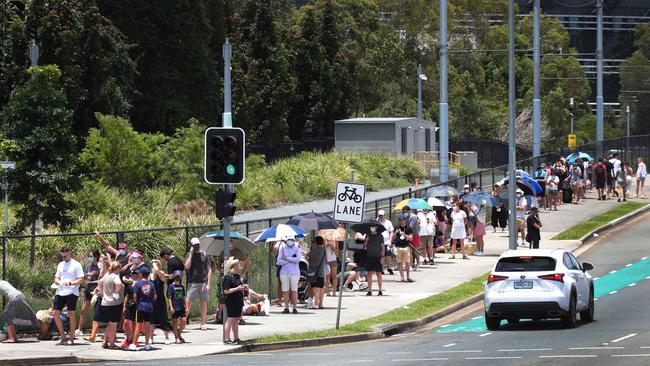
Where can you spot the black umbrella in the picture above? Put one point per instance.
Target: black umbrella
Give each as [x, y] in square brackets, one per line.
[364, 226]
[313, 221]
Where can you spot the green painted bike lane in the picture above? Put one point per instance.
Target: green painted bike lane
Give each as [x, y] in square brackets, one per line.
[608, 284]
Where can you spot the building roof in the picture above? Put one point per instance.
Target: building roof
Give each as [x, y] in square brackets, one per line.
[375, 120]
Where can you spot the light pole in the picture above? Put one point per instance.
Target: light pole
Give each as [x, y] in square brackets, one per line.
[571, 113]
[537, 103]
[512, 148]
[444, 116]
[628, 155]
[600, 111]
[421, 78]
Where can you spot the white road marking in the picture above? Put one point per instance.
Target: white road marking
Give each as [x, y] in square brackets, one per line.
[569, 356]
[633, 355]
[397, 353]
[613, 292]
[485, 334]
[476, 317]
[449, 345]
[644, 258]
[623, 338]
[459, 351]
[593, 348]
[596, 278]
[419, 359]
[627, 265]
[494, 358]
[525, 349]
[631, 285]
[361, 361]
[614, 271]
[444, 326]
[645, 347]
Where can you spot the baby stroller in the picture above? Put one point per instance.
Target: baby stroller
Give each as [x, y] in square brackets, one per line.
[303, 285]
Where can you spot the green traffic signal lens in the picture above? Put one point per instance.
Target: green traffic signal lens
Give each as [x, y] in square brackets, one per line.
[230, 169]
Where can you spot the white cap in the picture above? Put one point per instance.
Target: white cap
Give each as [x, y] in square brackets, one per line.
[466, 186]
[519, 191]
[195, 241]
[381, 213]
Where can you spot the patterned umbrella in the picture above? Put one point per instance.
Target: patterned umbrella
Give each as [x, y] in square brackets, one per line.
[579, 155]
[441, 191]
[481, 199]
[414, 204]
[333, 234]
[277, 232]
[313, 221]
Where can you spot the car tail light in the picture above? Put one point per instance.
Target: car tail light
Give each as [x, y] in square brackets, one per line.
[495, 278]
[553, 277]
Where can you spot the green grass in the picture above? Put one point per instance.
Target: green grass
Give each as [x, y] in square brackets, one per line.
[595, 222]
[411, 311]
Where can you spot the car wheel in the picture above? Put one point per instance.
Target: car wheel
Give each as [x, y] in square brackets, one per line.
[569, 319]
[588, 315]
[492, 322]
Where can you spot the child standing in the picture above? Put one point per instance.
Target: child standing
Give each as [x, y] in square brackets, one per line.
[176, 298]
[144, 294]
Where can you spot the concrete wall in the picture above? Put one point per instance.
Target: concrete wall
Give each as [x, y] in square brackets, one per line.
[365, 137]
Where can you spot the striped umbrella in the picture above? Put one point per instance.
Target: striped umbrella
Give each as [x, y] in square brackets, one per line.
[333, 234]
[414, 204]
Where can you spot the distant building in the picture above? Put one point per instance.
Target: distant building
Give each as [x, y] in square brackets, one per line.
[391, 135]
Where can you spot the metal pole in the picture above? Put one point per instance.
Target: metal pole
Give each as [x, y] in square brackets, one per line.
[227, 122]
[512, 148]
[600, 112]
[628, 155]
[33, 55]
[537, 103]
[444, 117]
[420, 114]
[343, 265]
[571, 113]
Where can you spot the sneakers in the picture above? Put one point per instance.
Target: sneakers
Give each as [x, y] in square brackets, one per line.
[380, 293]
[125, 344]
[285, 311]
[295, 311]
[78, 333]
[147, 347]
[134, 346]
[390, 271]
[369, 293]
[168, 342]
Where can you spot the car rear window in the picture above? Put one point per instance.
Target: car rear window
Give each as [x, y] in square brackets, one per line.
[525, 264]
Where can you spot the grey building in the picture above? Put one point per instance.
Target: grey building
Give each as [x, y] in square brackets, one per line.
[392, 136]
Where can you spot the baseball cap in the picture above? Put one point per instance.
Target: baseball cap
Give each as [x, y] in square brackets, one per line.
[144, 270]
[519, 191]
[534, 208]
[195, 241]
[466, 186]
[402, 217]
[178, 273]
[381, 213]
[165, 251]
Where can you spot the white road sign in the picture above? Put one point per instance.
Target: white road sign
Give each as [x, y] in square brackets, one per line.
[349, 202]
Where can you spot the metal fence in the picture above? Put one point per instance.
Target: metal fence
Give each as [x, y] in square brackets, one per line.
[29, 262]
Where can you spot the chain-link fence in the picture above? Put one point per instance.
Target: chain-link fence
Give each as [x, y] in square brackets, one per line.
[29, 262]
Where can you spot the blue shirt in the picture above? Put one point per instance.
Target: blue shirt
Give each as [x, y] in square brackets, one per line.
[146, 292]
[177, 294]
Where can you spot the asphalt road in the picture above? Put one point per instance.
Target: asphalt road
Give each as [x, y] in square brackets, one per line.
[620, 335]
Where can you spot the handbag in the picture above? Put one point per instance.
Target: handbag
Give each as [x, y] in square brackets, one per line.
[312, 275]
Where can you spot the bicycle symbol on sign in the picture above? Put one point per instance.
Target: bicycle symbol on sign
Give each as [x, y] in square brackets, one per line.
[350, 194]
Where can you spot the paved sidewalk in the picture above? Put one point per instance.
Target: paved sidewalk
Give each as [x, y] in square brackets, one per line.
[430, 280]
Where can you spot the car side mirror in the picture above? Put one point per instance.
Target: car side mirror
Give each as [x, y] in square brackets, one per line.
[587, 267]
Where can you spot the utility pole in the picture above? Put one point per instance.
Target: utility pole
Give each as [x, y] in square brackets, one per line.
[444, 116]
[33, 58]
[571, 113]
[537, 104]
[600, 112]
[512, 149]
[628, 155]
[226, 122]
[420, 114]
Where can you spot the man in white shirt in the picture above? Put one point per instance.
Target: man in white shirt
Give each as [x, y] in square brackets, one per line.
[387, 234]
[427, 230]
[521, 215]
[617, 165]
[69, 276]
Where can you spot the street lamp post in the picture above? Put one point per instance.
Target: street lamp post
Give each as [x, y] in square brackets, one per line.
[628, 154]
[571, 113]
[512, 226]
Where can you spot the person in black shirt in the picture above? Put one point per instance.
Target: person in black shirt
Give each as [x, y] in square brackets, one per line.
[234, 289]
[402, 237]
[176, 296]
[533, 225]
[374, 246]
[173, 264]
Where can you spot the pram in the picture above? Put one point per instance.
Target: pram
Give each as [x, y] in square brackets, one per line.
[303, 285]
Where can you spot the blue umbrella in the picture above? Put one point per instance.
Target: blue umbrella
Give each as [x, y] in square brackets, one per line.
[579, 155]
[279, 231]
[212, 243]
[481, 199]
[526, 184]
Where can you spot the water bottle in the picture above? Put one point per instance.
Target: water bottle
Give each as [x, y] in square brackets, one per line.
[310, 302]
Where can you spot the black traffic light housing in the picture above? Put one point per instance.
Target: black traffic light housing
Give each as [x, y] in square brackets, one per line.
[225, 204]
[224, 155]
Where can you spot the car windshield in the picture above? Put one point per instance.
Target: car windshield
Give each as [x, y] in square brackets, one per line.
[525, 264]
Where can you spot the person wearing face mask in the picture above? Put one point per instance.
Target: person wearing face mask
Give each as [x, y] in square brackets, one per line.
[199, 276]
[521, 204]
[374, 246]
[91, 277]
[69, 276]
[121, 254]
[135, 262]
[288, 260]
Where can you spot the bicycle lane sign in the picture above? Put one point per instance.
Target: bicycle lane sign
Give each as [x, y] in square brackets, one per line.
[349, 202]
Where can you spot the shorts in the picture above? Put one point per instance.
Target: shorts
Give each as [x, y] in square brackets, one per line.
[373, 264]
[289, 282]
[480, 229]
[403, 255]
[427, 241]
[387, 251]
[521, 224]
[112, 314]
[143, 317]
[88, 294]
[196, 292]
[178, 314]
[69, 301]
[416, 240]
[333, 263]
[471, 221]
[65, 320]
[129, 312]
[319, 282]
[640, 179]
[98, 314]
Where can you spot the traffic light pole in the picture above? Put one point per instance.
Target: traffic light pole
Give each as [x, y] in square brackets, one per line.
[227, 122]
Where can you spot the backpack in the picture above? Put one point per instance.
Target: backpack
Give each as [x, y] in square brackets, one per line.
[600, 170]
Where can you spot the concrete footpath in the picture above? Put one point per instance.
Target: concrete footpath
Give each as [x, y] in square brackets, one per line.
[430, 280]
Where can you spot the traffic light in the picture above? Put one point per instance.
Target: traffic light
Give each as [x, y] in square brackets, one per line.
[224, 155]
[225, 204]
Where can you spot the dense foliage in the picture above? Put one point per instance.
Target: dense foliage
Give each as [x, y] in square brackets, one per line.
[635, 79]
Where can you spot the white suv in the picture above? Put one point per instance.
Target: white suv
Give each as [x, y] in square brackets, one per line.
[538, 284]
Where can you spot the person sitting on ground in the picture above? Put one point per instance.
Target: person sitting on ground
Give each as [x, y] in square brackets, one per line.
[16, 312]
[46, 324]
[255, 307]
[352, 276]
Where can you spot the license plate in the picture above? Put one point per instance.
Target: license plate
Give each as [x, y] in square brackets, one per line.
[523, 285]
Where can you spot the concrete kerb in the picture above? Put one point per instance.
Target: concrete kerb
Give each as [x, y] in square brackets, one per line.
[391, 329]
[44, 361]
